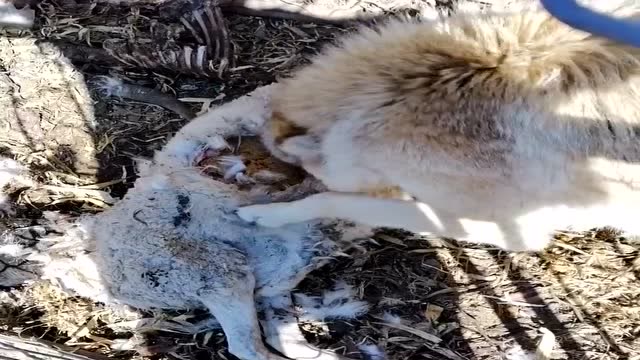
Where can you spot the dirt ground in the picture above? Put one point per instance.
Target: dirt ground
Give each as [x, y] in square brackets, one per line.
[430, 298]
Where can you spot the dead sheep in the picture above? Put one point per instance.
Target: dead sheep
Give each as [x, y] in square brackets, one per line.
[175, 242]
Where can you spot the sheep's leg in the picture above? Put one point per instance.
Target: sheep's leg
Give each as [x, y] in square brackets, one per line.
[235, 311]
[242, 116]
[282, 332]
[229, 297]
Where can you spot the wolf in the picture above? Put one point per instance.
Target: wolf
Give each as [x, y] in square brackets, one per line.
[494, 127]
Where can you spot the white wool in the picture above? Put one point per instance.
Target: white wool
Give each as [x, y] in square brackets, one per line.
[12, 16]
[68, 262]
[231, 166]
[13, 250]
[11, 173]
[391, 318]
[108, 85]
[339, 303]
[544, 350]
[517, 353]
[372, 352]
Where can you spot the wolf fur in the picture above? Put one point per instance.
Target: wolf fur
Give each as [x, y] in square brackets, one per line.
[502, 125]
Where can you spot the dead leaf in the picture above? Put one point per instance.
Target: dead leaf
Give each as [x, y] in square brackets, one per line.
[433, 312]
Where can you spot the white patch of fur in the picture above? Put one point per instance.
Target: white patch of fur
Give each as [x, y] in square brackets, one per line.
[68, 261]
[13, 250]
[231, 166]
[11, 16]
[391, 318]
[109, 85]
[11, 173]
[517, 353]
[339, 303]
[544, 350]
[372, 352]
[14, 253]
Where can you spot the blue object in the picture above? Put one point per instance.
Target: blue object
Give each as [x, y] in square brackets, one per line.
[582, 18]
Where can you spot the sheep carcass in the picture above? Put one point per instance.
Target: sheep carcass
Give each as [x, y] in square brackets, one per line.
[175, 242]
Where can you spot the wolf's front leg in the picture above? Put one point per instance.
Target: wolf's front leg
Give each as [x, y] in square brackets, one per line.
[361, 209]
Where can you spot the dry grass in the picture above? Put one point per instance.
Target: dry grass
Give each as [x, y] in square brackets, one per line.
[430, 299]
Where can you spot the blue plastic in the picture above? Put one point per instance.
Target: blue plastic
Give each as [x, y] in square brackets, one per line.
[582, 18]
